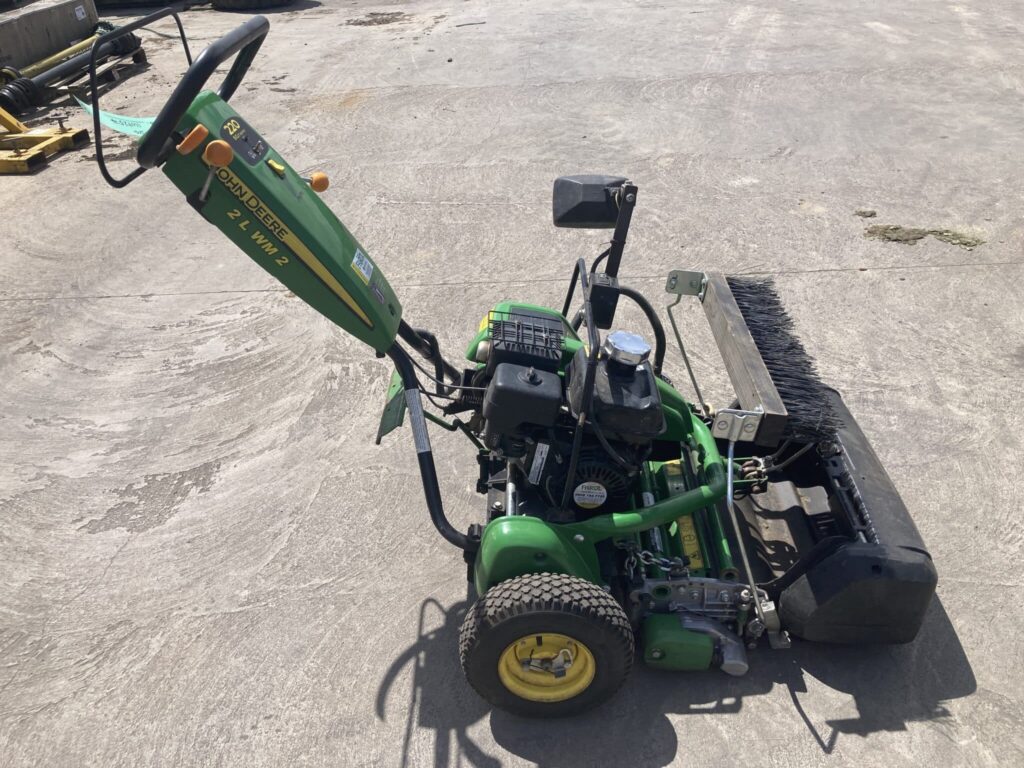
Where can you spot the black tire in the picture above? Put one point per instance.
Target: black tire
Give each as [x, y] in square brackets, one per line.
[248, 5]
[539, 603]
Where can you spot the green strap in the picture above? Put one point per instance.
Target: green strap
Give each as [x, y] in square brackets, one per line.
[132, 126]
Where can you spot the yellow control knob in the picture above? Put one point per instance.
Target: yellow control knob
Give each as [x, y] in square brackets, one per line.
[276, 167]
[194, 138]
[319, 182]
[218, 154]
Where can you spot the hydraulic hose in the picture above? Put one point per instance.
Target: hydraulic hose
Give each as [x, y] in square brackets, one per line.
[656, 326]
[652, 318]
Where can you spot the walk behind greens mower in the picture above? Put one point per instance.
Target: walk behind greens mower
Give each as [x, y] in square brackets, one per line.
[620, 518]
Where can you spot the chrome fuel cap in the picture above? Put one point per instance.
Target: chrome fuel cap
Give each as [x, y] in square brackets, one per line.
[626, 348]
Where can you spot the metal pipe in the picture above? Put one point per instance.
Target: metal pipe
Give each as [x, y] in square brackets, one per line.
[588, 383]
[511, 492]
[428, 472]
[686, 360]
[739, 535]
[24, 93]
[51, 61]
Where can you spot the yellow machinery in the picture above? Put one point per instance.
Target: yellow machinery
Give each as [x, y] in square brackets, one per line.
[24, 149]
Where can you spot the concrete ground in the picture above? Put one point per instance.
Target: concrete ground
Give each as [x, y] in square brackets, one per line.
[204, 560]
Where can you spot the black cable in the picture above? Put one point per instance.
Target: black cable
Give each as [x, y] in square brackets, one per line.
[423, 346]
[452, 387]
[609, 450]
[652, 317]
[599, 259]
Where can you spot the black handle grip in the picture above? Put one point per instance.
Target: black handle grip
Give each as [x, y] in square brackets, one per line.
[245, 40]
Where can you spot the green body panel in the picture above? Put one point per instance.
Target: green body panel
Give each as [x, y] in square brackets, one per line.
[514, 545]
[666, 645]
[282, 224]
[394, 407]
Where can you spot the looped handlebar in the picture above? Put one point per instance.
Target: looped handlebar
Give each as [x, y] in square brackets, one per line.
[245, 40]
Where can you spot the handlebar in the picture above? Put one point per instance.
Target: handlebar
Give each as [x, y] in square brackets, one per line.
[245, 40]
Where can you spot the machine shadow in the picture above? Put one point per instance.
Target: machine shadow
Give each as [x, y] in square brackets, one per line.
[440, 700]
[890, 686]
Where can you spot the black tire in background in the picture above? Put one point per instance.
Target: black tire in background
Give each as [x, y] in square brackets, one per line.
[540, 603]
[248, 5]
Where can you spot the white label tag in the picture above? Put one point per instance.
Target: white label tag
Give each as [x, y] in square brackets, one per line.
[539, 457]
[589, 495]
[80, 13]
[362, 266]
[648, 498]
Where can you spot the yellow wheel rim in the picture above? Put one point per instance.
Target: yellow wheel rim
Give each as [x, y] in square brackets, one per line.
[546, 667]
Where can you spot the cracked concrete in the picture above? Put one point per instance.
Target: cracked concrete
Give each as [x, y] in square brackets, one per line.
[205, 560]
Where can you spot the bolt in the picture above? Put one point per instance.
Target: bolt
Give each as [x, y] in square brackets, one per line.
[497, 506]
[578, 538]
[657, 653]
[630, 198]
[694, 595]
[723, 596]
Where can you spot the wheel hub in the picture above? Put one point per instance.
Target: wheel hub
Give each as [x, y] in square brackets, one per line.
[546, 667]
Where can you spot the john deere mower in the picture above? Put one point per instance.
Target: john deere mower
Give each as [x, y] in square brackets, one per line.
[620, 519]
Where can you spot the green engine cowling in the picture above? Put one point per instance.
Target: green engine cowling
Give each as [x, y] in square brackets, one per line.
[273, 215]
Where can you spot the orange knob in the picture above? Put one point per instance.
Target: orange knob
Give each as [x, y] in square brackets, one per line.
[319, 182]
[194, 138]
[218, 154]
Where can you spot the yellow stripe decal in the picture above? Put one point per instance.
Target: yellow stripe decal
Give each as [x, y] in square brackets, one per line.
[691, 544]
[311, 261]
[252, 203]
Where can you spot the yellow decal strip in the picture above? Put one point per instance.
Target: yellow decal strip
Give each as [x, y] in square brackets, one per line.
[322, 272]
[691, 544]
[253, 204]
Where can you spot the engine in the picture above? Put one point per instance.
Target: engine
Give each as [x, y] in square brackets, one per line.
[547, 402]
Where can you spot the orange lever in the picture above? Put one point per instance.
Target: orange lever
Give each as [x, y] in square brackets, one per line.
[318, 181]
[218, 154]
[194, 138]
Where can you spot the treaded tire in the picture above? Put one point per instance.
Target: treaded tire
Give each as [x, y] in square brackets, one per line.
[546, 603]
[248, 5]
